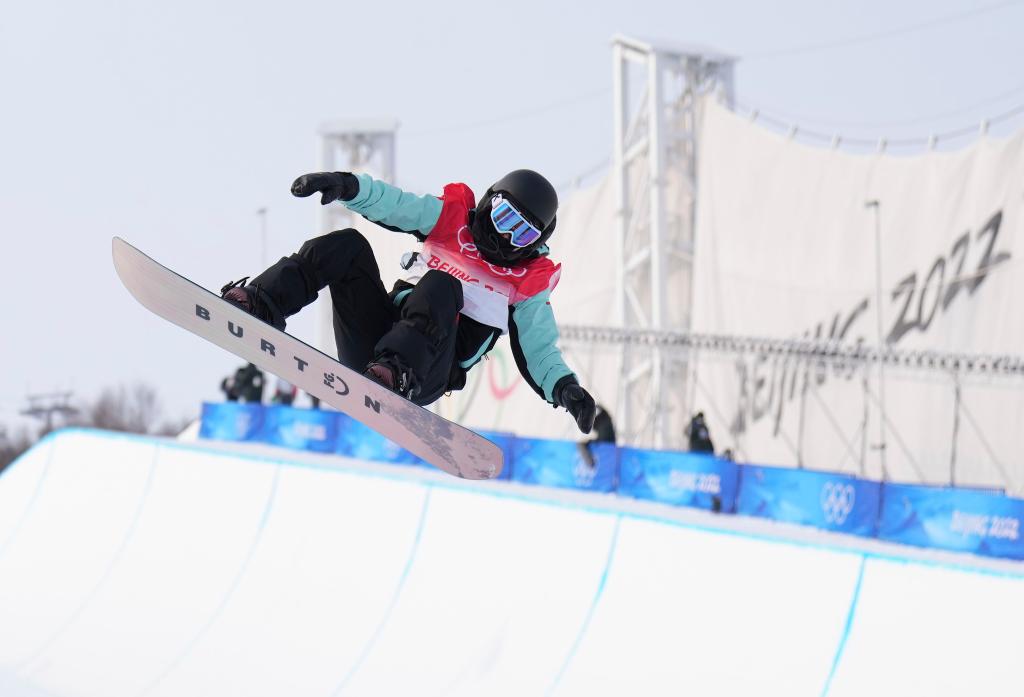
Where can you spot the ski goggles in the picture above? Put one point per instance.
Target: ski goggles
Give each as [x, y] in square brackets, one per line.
[509, 221]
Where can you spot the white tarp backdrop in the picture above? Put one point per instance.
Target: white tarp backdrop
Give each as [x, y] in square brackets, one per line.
[785, 248]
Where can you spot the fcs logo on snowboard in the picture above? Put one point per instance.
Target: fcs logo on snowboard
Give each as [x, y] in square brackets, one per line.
[331, 380]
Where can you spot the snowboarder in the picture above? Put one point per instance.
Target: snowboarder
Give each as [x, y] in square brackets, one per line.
[483, 271]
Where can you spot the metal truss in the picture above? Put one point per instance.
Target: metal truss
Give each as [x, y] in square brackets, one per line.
[657, 88]
[810, 349]
[350, 146]
[954, 370]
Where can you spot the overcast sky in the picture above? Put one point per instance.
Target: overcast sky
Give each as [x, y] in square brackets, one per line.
[171, 123]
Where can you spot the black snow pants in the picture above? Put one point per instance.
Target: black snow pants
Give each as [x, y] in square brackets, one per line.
[421, 331]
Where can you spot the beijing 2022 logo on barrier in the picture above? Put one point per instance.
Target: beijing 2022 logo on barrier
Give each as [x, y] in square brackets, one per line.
[837, 501]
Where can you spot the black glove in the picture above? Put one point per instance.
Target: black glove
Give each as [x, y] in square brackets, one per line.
[334, 186]
[577, 401]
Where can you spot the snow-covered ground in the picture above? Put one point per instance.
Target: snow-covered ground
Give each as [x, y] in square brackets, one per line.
[133, 566]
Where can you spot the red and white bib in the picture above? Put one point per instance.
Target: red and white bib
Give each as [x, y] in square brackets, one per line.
[488, 289]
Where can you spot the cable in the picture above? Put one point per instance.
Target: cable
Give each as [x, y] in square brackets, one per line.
[794, 131]
[893, 124]
[585, 174]
[897, 31]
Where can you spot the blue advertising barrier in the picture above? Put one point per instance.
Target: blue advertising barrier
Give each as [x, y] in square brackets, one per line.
[231, 421]
[314, 430]
[822, 499]
[300, 429]
[363, 443]
[963, 520]
[357, 440]
[566, 464]
[679, 478]
[504, 441]
[955, 519]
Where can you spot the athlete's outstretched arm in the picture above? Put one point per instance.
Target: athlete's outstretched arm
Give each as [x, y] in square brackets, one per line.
[373, 199]
[534, 337]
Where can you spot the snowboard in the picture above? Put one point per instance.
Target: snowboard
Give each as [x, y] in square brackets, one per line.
[445, 445]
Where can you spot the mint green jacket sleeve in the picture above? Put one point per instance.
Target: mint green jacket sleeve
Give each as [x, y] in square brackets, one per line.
[534, 337]
[393, 208]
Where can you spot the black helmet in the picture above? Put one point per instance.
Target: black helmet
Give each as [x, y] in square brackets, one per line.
[534, 197]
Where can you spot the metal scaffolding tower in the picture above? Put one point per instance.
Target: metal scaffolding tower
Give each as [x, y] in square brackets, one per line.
[657, 88]
[350, 146]
[47, 406]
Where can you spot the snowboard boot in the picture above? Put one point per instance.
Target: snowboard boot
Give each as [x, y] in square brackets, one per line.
[389, 370]
[254, 300]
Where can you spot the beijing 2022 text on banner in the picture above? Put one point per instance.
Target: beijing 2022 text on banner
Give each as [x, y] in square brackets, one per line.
[785, 248]
[315, 430]
[679, 478]
[954, 519]
[231, 421]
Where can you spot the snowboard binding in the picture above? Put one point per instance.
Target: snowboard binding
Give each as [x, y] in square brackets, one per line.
[253, 300]
[389, 370]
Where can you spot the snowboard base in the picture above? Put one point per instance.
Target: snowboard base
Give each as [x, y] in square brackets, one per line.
[444, 444]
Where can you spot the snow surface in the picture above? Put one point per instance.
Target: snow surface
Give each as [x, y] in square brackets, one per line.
[139, 566]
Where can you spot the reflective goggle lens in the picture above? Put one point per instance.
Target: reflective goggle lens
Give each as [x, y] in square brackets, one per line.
[508, 221]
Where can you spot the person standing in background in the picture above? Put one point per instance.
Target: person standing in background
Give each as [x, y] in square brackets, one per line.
[284, 392]
[699, 435]
[604, 432]
[245, 385]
